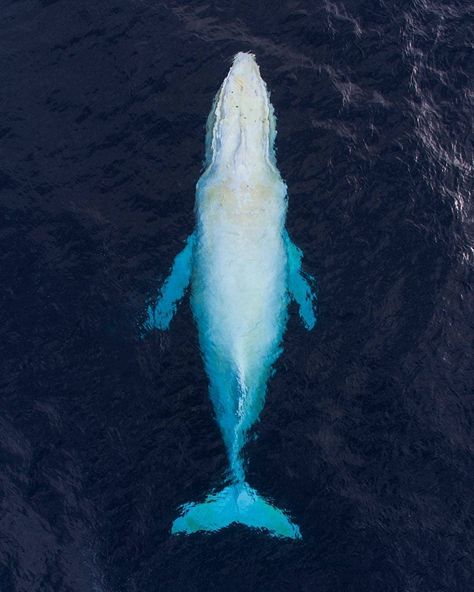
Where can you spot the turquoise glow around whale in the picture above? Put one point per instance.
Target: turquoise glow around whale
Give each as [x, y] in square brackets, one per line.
[243, 270]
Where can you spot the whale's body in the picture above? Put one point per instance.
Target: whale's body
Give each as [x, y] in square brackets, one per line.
[243, 268]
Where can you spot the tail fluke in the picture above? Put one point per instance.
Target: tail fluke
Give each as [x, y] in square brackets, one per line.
[236, 503]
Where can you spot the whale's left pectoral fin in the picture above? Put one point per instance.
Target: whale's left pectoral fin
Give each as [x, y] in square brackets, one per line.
[301, 285]
[160, 314]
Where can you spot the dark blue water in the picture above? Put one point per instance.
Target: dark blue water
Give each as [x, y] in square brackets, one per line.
[367, 432]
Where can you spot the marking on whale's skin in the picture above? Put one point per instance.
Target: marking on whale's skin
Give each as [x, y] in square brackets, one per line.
[243, 270]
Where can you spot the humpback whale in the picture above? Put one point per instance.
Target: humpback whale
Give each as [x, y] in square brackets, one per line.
[243, 270]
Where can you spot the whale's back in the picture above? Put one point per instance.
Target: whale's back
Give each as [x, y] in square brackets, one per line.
[239, 279]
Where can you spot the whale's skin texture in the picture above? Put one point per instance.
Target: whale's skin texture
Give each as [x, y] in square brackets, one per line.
[243, 270]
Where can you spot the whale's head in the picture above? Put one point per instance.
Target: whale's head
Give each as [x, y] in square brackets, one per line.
[241, 125]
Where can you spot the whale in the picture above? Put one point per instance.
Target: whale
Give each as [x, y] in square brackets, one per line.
[243, 271]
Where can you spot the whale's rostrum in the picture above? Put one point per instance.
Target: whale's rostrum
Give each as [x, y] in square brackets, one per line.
[243, 269]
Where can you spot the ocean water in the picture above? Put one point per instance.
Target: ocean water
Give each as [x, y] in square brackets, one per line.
[367, 432]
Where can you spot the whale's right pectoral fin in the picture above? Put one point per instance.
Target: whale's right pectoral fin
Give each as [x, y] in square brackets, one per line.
[300, 284]
[159, 316]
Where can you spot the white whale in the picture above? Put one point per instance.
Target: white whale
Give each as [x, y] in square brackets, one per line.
[243, 270]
